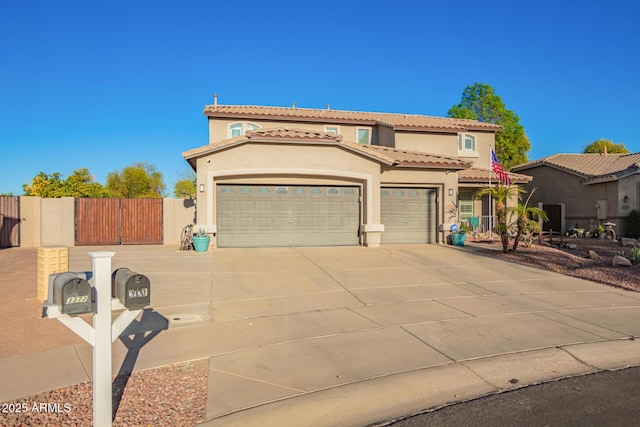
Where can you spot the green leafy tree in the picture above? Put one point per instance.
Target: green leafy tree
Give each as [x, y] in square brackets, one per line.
[140, 180]
[500, 194]
[185, 185]
[524, 214]
[479, 102]
[45, 185]
[600, 145]
[82, 184]
[79, 184]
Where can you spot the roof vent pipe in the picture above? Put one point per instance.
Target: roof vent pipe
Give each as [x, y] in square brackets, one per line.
[215, 99]
[605, 150]
[293, 105]
[328, 106]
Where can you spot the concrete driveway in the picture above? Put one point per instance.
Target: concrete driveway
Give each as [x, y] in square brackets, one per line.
[353, 335]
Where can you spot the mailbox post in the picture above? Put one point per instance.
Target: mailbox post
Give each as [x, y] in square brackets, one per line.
[102, 397]
[71, 294]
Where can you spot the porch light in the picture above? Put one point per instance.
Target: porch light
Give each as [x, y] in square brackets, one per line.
[451, 191]
[202, 188]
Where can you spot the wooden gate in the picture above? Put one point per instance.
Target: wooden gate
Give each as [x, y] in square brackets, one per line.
[118, 221]
[9, 221]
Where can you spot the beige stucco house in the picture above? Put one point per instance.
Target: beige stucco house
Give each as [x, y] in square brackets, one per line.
[279, 176]
[585, 190]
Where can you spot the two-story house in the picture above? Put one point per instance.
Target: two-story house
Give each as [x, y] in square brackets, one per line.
[287, 176]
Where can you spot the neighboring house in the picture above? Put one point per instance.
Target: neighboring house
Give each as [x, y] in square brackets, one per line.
[585, 190]
[277, 176]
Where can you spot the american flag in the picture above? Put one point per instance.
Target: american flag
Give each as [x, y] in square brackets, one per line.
[503, 176]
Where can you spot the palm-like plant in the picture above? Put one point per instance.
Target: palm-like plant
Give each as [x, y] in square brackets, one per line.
[524, 213]
[500, 194]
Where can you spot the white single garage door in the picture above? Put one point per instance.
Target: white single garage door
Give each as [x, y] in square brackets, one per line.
[285, 215]
[408, 215]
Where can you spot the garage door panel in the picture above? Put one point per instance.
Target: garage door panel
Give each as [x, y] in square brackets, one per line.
[408, 215]
[287, 215]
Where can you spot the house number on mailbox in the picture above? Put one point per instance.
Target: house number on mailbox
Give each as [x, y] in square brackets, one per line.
[138, 293]
[77, 300]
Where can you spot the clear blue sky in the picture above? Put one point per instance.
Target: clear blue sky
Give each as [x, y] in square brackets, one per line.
[103, 85]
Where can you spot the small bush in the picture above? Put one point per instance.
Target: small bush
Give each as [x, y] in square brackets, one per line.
[530, 230]
[634, 256]
[633, 224]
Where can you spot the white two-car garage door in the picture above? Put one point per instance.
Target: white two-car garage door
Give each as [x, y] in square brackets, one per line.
[285, 215]
[408, 215]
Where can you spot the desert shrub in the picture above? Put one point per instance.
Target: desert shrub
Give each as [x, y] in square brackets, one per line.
[634, 256]
[633, 224]
[530, 229]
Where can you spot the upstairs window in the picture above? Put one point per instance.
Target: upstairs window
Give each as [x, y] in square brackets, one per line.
[237, 129]
[332, 129]
[466, 143]
[363, 135]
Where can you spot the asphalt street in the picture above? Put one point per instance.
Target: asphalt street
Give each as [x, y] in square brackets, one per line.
[609, 399]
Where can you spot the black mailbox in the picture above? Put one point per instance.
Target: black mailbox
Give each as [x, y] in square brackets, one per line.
[131, 288]
[72, 293]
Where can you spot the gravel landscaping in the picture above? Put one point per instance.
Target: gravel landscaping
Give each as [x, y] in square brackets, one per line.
[174, 395]
[573, 262]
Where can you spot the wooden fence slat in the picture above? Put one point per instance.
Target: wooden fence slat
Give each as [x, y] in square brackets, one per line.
[9, 221]
[97, 222]
[142, 222]
[119, 221]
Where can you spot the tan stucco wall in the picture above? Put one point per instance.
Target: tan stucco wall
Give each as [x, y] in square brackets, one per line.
[385, 136]
[219, 128]
[51, 221]
[58, 221]
[443, 144]
[484, 141]
[555, 186]
[630, 187]
[176, 214]
[30, 221]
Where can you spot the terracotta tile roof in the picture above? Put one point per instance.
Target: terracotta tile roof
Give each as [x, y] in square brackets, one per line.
[385, 155]
[417, 159]
[591, 167]
[477, 175]
[397, 121]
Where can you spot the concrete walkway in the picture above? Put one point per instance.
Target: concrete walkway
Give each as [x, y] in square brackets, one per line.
[338, 336]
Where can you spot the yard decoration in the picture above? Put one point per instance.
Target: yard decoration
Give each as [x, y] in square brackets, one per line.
[459, 234]
[201, 240]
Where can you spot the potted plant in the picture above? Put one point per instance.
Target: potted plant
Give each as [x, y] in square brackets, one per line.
[201, 240]
[459, 235]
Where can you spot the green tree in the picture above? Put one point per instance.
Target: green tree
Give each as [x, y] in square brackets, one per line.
[140, 180]
[45, 185]
[479, 102]
[82, 184]
[500, 194]
[525, 213]
[600, 145]
[79, 184]
[185, 185]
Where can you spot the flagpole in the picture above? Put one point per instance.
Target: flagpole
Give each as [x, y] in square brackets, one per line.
[490, 201]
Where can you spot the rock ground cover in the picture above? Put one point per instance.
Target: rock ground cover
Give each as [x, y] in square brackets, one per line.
[574, 262]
